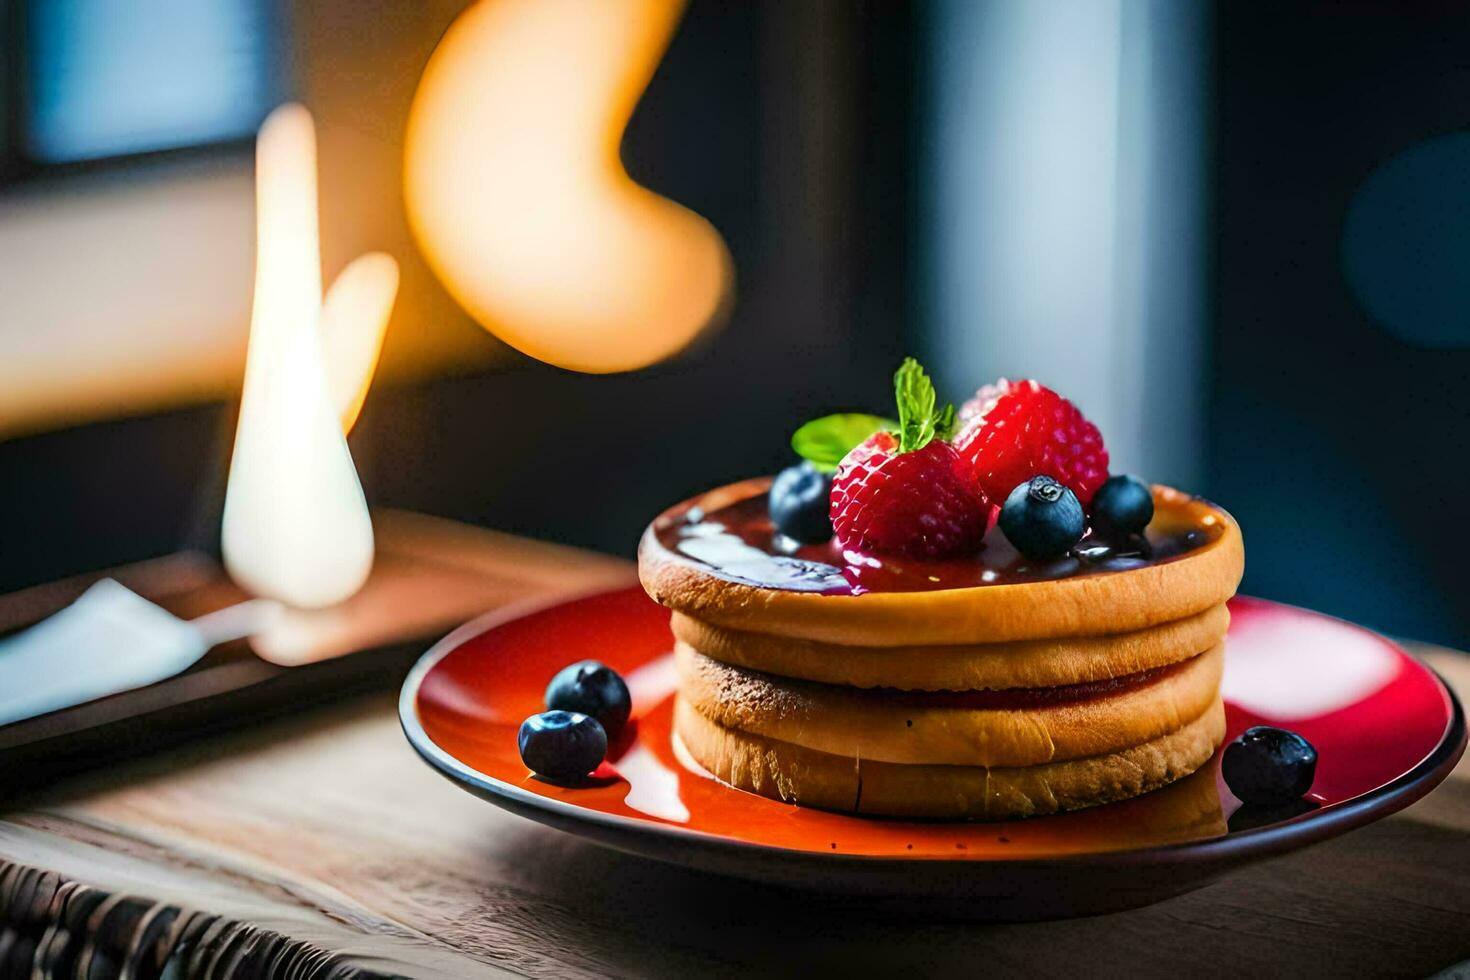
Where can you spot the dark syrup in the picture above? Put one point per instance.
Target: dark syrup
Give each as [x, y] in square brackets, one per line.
[1015, 698]
[739, 542]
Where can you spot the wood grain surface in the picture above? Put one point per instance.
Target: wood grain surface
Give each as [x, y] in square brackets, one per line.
[429, 575]
[320, 845]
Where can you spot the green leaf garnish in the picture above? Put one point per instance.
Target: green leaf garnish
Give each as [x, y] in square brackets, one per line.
[919, 423]
[944, 422]
[826, 440]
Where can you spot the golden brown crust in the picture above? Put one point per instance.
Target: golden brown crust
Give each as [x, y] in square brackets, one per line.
[795, 774]
[961, 667]
[1083, 605]
[850, 722]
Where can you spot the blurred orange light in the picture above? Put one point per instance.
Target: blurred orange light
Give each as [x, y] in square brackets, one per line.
[518, 197]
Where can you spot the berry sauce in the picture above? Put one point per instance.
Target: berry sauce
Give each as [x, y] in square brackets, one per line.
[1020, 698]
[739, 542]
[1010, 698]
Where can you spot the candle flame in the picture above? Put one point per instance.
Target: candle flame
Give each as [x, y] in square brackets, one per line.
[520, 202]
[296, 524]
[354, 322]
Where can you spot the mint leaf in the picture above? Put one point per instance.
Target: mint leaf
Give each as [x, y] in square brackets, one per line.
[826, 440]
[944, 422]
[919, 423]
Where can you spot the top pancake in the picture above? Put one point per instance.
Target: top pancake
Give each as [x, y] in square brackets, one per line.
[1091, 604]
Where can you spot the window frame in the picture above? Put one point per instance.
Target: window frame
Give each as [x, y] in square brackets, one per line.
[18, 167]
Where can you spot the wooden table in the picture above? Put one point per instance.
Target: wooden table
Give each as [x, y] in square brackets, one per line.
[321, 846]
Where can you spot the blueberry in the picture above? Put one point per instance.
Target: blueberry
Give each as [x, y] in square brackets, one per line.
[591, 688]
[1268, 765]
[800, 503]
[1042, 518]
[1123, 504]
[562, 745]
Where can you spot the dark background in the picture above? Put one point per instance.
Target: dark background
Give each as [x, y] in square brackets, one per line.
[1338, 438]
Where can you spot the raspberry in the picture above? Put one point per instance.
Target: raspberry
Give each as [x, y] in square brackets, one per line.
[1014, 431]
[975, 407]
[919, 503]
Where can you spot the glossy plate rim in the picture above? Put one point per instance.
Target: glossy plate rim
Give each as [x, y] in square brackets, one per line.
[626, 833]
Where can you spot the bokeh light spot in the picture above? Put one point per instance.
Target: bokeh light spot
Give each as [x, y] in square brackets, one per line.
[1406, 243]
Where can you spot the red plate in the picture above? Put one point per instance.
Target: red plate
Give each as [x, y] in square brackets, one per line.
[1387, 731]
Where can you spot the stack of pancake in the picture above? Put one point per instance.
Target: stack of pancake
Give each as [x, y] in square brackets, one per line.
[988, 702]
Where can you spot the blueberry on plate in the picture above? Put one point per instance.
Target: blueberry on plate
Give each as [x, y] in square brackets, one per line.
[1042, 518]
[800, 503]
[562, 745]
[1266, 765]
[1123, 505]
[591, 688]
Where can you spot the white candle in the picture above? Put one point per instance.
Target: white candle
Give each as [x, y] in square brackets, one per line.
[296, 524]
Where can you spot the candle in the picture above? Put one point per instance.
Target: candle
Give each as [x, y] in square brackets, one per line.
[296, 525]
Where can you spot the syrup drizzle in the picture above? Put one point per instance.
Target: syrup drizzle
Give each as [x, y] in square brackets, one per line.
[739, 542]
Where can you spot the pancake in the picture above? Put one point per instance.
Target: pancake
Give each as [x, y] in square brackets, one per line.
[1094, 604]
[800, 775]
[943, 728]
[960, 667]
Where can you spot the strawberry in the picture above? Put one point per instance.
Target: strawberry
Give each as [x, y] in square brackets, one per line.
[908, 492]
[1016, 430]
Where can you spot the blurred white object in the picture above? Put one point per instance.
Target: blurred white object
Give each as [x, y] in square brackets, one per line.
[108, 641]
[1065, 192]
[296, 525]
